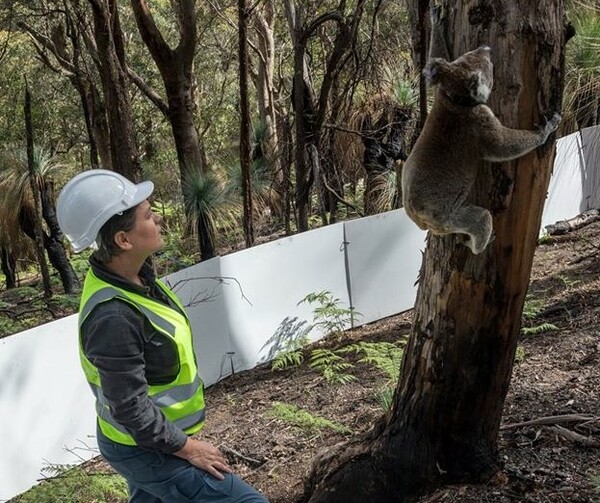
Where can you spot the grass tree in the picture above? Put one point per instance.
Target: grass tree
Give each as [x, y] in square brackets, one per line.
[17, 206]
[582, 80]
[210, 206]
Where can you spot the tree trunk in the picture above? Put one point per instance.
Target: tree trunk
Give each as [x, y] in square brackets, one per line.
[109, 40]
[176, 69]
[8, 266]
[444, 424]
[245, 160]
[205, 240]
[37, 204]
[267, 96]
[53, 242]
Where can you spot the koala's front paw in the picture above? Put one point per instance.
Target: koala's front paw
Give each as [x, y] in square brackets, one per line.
[553, 122]
[551, 125]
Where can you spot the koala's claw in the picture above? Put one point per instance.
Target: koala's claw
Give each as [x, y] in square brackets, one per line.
[554, 121]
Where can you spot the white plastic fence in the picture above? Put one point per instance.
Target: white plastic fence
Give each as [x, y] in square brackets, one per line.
[242, 306]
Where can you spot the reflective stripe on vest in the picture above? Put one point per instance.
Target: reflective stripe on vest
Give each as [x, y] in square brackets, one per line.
[182, 400]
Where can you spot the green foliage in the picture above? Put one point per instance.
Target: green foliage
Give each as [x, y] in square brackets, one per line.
[206, 197]
[290, 358]
[69, 484]
[385, 397]
[531, 309]
[539, 329]
[331, 365]
[520, 355]
[385, 356]
[24, 307]
[596, 482]
[328, 315]
[568, 282]
[303, 419]
[333, 319]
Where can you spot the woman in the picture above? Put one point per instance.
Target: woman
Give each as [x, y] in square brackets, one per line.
[136, 350]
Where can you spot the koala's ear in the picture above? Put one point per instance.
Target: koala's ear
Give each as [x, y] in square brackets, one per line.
[484, 49]
[434, 69]
[474, 82]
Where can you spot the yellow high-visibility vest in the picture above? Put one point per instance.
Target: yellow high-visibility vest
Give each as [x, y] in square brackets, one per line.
[182, 400]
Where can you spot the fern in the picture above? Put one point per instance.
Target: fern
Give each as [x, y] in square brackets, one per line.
[292, 358]
[532, 307]
[385, 356]
[520, 355]
[385, 397]
[69, 484]
[595, 479]
[328, 315]
[539, 329]
[303, 419]
[332, 366]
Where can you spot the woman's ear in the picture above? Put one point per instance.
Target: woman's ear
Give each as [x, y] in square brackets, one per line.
[122, 241]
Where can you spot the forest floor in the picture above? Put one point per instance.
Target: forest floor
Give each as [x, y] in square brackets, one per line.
[555, 390]
[557, 373]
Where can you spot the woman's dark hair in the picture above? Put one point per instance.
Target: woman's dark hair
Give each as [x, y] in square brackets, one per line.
[107, 248]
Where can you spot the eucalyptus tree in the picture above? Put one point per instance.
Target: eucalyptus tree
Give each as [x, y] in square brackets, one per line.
[176, 69]
[61, 35]
[17, 204]
[444, 423]
[245, 147]
[108, 52]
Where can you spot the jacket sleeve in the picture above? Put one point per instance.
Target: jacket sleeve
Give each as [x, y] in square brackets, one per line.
[113, 340]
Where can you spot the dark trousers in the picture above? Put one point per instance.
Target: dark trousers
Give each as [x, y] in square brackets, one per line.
[154, 477]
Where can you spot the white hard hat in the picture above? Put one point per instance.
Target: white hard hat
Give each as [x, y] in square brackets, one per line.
[90, 199]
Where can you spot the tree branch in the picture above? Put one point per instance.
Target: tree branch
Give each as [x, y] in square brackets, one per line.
[147, 90]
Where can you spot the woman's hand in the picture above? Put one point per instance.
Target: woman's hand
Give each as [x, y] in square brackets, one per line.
[205, 456]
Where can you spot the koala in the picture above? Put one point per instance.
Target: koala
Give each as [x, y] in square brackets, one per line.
[459, 133]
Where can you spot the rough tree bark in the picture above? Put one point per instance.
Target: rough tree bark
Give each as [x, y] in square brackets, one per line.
[270, 106]
[70, 62]
[444, 423]
[176, 69]
[35, 192]
[8, 266]
[245, 161]
[111, 59]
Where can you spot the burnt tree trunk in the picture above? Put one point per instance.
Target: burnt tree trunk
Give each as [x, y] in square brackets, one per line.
[444, 423]
[245, 161]
[8, 266]
[35, 193]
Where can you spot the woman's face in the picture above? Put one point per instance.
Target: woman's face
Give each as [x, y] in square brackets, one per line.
[145, 236]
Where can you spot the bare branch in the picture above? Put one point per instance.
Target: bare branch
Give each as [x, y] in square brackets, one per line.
[148, 91]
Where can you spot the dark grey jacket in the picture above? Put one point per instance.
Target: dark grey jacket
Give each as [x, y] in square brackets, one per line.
[130, 354]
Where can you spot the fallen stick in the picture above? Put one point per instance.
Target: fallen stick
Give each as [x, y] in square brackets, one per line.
[574, 437]
[566, 418]
[572, 224]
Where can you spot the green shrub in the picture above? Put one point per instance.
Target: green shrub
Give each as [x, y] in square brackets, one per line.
[70, 484]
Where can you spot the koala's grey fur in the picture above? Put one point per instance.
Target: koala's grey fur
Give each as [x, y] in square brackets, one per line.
[459, 133]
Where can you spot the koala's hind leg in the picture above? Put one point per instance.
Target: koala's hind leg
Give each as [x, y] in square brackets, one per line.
[476, 223]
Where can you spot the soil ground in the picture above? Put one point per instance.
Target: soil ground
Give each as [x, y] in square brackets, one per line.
[549, 460]
[557, 374]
